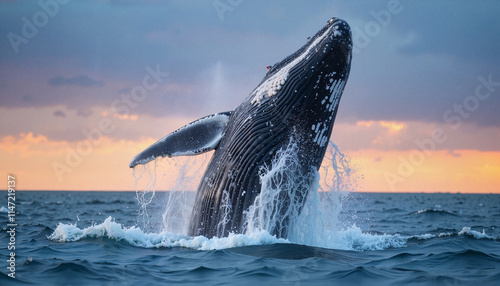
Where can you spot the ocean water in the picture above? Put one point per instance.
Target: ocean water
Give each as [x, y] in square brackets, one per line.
[105, 238]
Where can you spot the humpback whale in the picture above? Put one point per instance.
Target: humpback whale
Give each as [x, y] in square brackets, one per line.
[296, 101]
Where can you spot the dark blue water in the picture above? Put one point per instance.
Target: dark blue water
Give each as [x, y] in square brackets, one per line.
[98, 238]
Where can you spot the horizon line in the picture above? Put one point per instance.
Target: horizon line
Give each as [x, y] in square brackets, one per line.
[379, 192]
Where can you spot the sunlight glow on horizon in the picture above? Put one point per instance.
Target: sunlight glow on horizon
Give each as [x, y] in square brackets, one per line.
[106, 168]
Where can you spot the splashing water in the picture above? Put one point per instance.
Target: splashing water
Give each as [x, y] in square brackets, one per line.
[303, 206]
[309, 203]
[292, 203]
[178, 208]
[289, 196]
[226, 209]
[177, 211]
[283, 192]
[328, 198]
[146, 195]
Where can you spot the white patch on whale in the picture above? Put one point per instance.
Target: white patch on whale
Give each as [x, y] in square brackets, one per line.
[272, 85]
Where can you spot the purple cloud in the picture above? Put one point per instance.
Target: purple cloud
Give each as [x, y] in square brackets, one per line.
[81, 80]
[59, 113]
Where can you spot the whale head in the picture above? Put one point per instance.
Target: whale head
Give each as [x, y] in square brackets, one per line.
[307, 85]
[325, 55]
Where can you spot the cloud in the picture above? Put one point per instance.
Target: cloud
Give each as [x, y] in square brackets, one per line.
[395, 78]
[81, 80]
[59, 113]
[454, 153]
[84, 113]
[415, 135]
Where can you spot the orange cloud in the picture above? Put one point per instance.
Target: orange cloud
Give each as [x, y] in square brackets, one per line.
[393, 126]
[28, 145]
[105, 167]
[132, 117]
[365, 123]
[400, 171]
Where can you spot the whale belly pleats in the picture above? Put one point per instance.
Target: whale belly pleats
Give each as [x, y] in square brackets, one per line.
[234, 168]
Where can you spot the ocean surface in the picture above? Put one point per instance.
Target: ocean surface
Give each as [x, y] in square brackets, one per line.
[108, 238]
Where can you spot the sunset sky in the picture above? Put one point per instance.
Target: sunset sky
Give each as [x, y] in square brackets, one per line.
[420, 112]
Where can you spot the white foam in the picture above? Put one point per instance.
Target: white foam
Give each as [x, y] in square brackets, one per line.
[135, 236]
[475, 234]
[352, 238]
[4, 210]
[467, 231]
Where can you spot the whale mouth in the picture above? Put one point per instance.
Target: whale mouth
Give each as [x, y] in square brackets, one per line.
[336, 35]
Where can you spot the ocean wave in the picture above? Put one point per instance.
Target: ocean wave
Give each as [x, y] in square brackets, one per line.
[477, 235]
[466, 231]
[351, 238]
[4, 210]
[432, 212]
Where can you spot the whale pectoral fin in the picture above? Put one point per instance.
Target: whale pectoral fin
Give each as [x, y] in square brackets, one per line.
[197, 137]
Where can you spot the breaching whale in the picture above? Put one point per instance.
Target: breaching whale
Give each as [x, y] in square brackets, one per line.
[297, 102]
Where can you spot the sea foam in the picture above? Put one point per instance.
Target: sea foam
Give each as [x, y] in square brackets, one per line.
[352, 238]
[136, 237]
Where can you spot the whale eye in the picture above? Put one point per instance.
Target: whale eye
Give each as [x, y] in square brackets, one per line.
[308, 39]
[331, 20]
